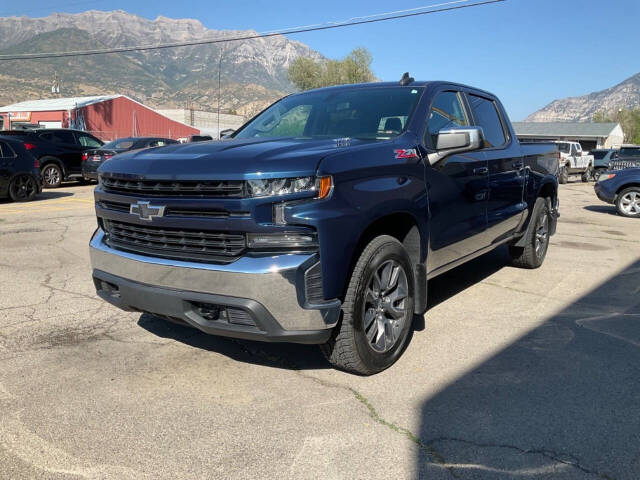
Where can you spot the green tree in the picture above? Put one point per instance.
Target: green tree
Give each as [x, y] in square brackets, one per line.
[306, 74]
[629, 120]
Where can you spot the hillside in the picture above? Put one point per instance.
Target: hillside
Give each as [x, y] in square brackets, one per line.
[625, 95]
[254, 72]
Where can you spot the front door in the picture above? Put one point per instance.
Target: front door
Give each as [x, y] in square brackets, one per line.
[458, 188]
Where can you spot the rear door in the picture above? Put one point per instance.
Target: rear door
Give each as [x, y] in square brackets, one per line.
[457, 186]
[7, 160]
[505, 205]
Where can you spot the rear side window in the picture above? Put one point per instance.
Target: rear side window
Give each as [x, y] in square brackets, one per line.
[88, 141]
[629, 152]
[6, 151]
[59, 137]
[486, 116]
[446, 112]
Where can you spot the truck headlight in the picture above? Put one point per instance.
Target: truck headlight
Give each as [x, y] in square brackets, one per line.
[282, 240]
[286, 186]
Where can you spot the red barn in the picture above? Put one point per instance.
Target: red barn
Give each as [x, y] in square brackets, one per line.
[106, 117]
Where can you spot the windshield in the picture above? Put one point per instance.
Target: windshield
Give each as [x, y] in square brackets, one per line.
[630, 152]
[599, 154]
[122, 144]
[563, 147]
[376, 113]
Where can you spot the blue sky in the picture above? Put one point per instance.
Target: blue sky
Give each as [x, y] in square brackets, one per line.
[528, 52]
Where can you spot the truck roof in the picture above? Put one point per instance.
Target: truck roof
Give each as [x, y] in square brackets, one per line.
[416, 83]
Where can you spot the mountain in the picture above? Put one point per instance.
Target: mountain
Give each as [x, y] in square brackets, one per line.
[253, 72]
[625, 95]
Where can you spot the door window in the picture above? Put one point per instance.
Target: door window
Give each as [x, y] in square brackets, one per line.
[486, 116]
[446, 112]
[88, 141]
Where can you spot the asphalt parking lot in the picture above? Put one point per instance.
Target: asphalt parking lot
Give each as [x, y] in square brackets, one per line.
[511, 374]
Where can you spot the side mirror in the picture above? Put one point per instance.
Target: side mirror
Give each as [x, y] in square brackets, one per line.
[226, 132]
[456, 140]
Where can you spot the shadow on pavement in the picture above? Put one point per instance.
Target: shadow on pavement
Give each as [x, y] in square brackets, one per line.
[44, 195]
[562, 402]
[278, 355]
[610, 209]
[303, 357]
[459, 279]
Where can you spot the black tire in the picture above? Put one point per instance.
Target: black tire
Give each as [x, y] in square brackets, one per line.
[597, 172]
[628, 202]
[534, 251]
[23, 188]
[585, 176]
[51, 175]
[563, 175]
[364, 312]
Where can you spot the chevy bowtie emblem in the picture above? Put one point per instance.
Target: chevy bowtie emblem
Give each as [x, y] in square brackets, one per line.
[146, 211]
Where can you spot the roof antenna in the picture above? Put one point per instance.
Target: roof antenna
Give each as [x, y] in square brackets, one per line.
[406, 79]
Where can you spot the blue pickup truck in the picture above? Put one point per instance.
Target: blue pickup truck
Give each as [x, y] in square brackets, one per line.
[321, 220]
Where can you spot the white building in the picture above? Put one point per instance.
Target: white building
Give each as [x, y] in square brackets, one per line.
[206, 122]
[589, 135]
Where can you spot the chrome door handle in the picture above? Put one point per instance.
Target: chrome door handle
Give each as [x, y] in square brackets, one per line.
[481, 171]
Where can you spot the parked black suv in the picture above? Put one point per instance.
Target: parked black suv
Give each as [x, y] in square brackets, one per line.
[19, 171]
[59, 151]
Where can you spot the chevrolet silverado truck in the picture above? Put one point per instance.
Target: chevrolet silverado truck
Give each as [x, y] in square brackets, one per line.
[321, 220]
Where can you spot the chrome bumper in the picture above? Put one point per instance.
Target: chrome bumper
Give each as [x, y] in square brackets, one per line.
[275, 282]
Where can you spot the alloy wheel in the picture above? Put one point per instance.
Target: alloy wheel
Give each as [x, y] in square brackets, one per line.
[542, 233]
[51, 175]
[630, 203]
[385, 308]
[23, 187]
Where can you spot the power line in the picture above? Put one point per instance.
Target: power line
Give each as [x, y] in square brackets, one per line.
[442, 7]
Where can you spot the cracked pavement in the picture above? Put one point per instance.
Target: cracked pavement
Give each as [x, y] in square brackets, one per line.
[511, 374]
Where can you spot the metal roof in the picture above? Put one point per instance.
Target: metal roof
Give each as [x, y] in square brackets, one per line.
[563, 129]
[56, 104]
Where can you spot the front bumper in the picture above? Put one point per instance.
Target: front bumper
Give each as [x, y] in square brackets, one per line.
[603, 194]
[270, 291]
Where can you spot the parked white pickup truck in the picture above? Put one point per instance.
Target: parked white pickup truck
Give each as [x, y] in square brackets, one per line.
[573, 161]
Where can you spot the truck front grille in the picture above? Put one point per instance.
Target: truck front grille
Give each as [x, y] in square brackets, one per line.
[622, 164]
[174, 243]
[169, 188]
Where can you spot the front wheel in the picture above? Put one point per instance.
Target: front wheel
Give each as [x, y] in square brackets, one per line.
[536, 241]
[628, 202]
[596, 174]
[377, 311]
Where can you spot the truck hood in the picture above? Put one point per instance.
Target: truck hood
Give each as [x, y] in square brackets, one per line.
[227, 159]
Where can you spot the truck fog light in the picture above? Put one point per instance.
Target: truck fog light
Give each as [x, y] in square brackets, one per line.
[281, 240]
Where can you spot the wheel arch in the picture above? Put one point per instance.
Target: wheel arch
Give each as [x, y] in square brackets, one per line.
[404, 227]
[627, 185]
[47, 159]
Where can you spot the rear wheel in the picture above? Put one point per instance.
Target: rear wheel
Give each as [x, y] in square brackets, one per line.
[628, 202]
[563, 175]
[586, 176]
[536, 241]
[51, 176]
[377, 311]
[23, 188]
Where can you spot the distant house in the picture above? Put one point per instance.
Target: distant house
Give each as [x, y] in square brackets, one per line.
[590, 135]
[107, 117]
